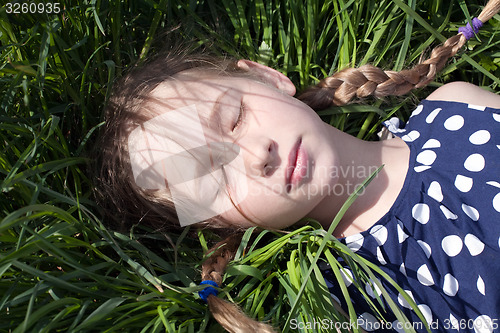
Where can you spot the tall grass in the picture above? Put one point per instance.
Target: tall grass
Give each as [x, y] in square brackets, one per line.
[61, 269]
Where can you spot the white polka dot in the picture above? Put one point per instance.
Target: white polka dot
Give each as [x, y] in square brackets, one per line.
[379, 232]
[448, 213]
[463, 183]
[454, 322]
[421, 168]
[426, 157]
[421, 213]
[493, 183]
[346, 276]
[403, 301]
[480, 285]
[480, 137]
[454, 123]
[483, 324]
[430, 118]
[474, 163]
[477, 107]
[424, 276]
[402, 269]
[471, 212]
[496, 116]
[496, 202]
[354, 242]
[417, 110]
[425, 247]
[402, 236]
[473, 244]
[368, 322]
[380, 256]
[370, 288]
[452, 245]
[431, 143]
[435, 192]
[426, 311]
[450, 285]
[410, 137]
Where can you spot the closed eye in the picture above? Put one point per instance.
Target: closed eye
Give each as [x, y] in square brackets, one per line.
[241, 116]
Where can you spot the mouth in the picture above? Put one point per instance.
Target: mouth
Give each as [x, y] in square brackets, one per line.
[297, 166]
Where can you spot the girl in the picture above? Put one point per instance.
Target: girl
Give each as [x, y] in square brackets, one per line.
[226, 145]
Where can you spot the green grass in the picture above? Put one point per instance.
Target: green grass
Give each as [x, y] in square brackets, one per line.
[62, 270]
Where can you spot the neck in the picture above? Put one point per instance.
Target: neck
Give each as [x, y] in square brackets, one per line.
[358, 159]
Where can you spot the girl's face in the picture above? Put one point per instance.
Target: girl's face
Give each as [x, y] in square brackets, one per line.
[283, 143]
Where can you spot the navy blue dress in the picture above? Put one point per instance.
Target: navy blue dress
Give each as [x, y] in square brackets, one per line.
[440, 241]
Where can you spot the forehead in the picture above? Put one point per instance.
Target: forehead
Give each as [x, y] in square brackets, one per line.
[186, 90]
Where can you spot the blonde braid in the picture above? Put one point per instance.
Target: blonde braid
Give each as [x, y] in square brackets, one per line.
[228, 314]
[354, 83]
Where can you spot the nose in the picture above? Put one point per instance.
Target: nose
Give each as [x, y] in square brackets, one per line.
[261, 157]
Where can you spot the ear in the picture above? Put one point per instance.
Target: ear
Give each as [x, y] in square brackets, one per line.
[268, 75]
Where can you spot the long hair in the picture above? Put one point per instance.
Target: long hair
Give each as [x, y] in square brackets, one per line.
[353, 84]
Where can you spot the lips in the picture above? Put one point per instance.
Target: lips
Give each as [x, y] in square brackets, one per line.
[297, 166]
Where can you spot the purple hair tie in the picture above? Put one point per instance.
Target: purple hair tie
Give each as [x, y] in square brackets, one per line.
[469, 31]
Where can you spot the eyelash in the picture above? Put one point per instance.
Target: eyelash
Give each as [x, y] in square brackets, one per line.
[241, 115]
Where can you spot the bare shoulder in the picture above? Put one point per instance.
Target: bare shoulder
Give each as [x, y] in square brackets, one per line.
[466, 93]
